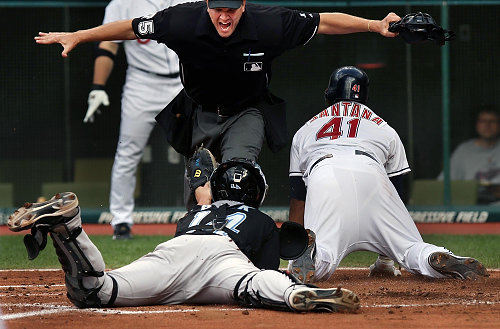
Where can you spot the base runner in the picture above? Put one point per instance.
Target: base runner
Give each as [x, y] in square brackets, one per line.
[342, 162]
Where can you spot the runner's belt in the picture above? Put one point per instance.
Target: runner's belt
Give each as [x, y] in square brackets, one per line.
[327, 156]
[170, 76]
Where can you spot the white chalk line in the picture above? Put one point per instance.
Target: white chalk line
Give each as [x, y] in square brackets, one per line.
[32, 270]
[28, 314]
[31, 295]
[469, 303]
[33, 286]
[53, 308]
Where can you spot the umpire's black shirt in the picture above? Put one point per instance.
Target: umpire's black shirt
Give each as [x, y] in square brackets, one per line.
[254, 232]
[233, 72]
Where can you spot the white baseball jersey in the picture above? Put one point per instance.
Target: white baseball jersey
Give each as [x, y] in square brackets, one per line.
[144, 54]
[343, 128]
[350, 203]
[145, 94]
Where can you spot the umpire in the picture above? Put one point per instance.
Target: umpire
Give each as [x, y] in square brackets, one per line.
[225, 50]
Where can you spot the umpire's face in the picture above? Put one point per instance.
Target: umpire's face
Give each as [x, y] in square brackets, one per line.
[225, 20]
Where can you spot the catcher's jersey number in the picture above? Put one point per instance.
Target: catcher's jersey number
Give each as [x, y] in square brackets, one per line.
[233, 220]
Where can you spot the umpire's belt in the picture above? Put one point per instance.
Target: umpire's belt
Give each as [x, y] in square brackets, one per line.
[170, 76]
[357, 152]
[221, 110]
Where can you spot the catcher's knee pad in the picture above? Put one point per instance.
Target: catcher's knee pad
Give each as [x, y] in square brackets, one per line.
[76, 267]
[250, 298]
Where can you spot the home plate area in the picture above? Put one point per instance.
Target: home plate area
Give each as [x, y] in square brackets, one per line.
[37, 299]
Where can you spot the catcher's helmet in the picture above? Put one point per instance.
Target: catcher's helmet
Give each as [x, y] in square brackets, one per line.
[347, 83]
[240, 180]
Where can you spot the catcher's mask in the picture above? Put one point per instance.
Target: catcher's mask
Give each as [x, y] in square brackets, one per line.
[239, 179]
[347, 83]
[418, 27]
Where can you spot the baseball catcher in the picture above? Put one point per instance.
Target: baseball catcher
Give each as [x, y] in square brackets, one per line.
[223, 253]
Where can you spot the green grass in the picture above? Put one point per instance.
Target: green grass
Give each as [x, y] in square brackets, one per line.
[118, 253]
[486, 248]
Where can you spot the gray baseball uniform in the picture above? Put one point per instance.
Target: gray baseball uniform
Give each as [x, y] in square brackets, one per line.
[189, 268]
[152, 82]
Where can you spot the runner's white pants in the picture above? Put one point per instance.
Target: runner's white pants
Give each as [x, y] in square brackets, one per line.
[352, 205]
[144, 96]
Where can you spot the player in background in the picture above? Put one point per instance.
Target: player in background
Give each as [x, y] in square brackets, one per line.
[345, 169]
[223, 253]
[152, 82]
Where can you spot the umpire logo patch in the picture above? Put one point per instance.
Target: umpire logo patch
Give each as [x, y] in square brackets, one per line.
[253, 66]
[146, 27]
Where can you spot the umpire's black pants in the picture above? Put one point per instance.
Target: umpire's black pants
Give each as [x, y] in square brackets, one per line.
[237, 136]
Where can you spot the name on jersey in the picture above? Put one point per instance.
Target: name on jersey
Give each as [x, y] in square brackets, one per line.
[351, 109]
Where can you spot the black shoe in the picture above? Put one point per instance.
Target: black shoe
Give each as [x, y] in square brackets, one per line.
[199, 168]
[308, 299]
[46, 213]
[122, 232]
[457, 267]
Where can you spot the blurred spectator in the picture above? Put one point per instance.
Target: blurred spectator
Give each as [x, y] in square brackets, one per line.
[479, 158]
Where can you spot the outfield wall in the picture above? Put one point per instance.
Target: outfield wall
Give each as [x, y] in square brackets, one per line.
[280, 214]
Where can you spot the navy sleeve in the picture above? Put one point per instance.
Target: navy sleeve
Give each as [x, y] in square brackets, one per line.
[297, 188]
[397, 181]
[298, 27]
[154, 27]
[268, 256]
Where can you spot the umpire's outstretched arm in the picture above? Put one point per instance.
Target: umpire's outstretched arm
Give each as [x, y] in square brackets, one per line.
[339, 23]
[119, 30]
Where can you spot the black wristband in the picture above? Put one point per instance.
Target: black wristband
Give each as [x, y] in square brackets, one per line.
[298, 188]
[97, 87]
[103, 52]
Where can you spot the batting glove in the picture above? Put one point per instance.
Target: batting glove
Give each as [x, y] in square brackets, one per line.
[384, 266]
[97, 97]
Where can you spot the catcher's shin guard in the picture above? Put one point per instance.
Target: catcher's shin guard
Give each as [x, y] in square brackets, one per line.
[251, 298]
[78, 269]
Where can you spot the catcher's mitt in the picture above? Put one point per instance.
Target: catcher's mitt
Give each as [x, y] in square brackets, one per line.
[420, 27]
[293, 240]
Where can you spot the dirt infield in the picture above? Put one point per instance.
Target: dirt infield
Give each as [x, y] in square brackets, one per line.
[36, 299]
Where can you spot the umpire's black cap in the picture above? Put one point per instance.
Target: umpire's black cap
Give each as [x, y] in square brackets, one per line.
[233, 4]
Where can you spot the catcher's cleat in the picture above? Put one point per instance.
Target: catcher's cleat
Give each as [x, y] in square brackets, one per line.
[457, 267]
[323, 300]
[303, 267]
[384, 266]
[200, 167]
[44, 213]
